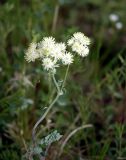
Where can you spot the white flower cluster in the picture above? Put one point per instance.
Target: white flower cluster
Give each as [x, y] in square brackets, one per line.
[32, 54]
[116, 20]
[79, 43]
[113, 17]
[52, 54]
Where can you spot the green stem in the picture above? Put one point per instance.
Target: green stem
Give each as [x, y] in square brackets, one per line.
[46, 112]
[59, 93]
[56, 84]
[42, 118]
[63, 84]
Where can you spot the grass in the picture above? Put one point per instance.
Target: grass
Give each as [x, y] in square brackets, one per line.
[95, 88]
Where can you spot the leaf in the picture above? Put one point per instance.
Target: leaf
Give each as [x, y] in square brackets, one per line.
[52, 137]
[37, 150]
[104, 150]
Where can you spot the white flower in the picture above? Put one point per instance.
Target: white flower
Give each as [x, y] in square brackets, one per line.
[79, 43]
[113, 17]
[62, 46]
[48, 40]
[77, 47]
[80, 38]
[67, 58]
[31, 55]
[84, 52]
[80, 49]
[46, 47]
[70, 42]
[53, 54]
[48, 64]
[119, 25]
[58, 51]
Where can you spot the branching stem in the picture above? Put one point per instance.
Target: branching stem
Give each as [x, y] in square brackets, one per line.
[59, 93]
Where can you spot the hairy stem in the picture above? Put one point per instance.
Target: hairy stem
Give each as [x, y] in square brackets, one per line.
[56, 84]
[59, 93]
[43, 116]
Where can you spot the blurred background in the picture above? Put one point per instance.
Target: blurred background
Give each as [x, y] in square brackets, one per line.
[95, 89]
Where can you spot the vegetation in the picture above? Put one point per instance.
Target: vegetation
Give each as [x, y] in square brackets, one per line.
[95, 89]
